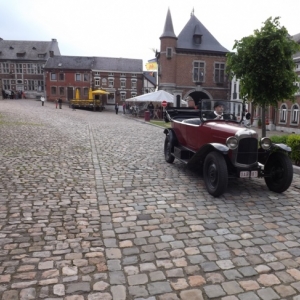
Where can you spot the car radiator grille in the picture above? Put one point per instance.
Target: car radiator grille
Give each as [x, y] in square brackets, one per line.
[247, 151]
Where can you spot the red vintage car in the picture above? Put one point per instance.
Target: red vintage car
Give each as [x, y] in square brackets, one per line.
[217, 137]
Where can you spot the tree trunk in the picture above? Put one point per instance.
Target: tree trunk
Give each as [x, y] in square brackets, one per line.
[263, 121]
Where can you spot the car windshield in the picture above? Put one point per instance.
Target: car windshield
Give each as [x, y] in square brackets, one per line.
[221, 110]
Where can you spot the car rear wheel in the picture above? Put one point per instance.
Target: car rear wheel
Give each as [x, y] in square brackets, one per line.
[215, 174]
[279, 170]
[168, 149]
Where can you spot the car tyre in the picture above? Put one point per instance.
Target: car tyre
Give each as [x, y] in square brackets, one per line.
[168, 149]
[215, 174]
[279, 170]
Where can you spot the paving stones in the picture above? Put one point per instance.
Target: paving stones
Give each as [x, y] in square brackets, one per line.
[90, 210]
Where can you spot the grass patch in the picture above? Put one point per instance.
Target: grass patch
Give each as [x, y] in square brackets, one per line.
[161, 123]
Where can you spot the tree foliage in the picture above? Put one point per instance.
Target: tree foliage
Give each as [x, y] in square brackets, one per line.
[264, 64]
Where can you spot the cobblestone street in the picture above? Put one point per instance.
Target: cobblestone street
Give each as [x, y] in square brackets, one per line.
[90, 210]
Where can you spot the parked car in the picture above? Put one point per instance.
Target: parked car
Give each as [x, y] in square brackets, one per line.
[224, 146]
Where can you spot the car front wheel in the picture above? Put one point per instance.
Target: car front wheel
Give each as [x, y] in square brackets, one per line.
[279, 172]
[168, 148]
[215, 174]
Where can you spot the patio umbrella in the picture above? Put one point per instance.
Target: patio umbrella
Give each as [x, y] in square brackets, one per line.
[100, 92]
[90, 94]
[77, 94]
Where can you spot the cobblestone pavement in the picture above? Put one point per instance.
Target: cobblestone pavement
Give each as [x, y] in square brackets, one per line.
[90, 210]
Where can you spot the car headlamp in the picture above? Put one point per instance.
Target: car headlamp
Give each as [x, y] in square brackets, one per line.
[266, 143]
[232, 143]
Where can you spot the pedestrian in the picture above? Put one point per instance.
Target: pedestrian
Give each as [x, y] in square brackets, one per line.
[124, 108]
[151, 109]
[117, 108]
[56, 103]
[60, 103]
[43, 100]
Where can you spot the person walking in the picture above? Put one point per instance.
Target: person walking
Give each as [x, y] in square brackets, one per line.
[117, 108]
[124, 108]
[43, 100]
[56, 103]
[59, 103]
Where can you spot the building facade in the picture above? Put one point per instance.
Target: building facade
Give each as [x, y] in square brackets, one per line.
[192, 64]
[21, 66]
[121, 77]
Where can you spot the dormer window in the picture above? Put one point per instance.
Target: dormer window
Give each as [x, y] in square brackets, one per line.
[33, 48]
[197, 39]
[11, 47]
[21, 54]
[41, 55]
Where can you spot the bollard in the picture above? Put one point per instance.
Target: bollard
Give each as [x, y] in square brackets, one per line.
[147, 116]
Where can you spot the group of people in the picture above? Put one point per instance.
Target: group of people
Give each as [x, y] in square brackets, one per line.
[58, 102]
[9, 94]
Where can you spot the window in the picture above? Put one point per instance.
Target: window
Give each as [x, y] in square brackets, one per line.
[133, 94]
[77, 77]
[61, 76]
[123, 96]
[123, 84]
[85, 77]
[97, 73]
[97, 81]
[295, 114]
[30, 69]
[40, 84]
[61, 91]
[30, 84]
[219, 72]
[283, 114]
[53, 76]
[104, 81]
[19, 68]
[4, 68]
[53, 90]
[123, 75]
[110, 74]
[169, 52]
[198, 71]
[6, 84]
[39, 69]
[133, 84]
[85, 91]
[110, 82]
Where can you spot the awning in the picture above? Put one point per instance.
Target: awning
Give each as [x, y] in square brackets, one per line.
[100, 92]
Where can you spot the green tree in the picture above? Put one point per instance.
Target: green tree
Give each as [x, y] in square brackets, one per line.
[264, 64]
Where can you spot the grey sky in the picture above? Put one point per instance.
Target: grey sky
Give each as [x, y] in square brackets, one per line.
[130, 29]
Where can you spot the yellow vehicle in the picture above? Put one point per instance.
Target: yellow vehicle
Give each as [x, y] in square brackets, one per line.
[91, 102]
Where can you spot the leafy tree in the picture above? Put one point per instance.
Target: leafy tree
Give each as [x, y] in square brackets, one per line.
[263, 62]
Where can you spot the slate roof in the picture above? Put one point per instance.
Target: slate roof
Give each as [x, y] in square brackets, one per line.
[70, 62]
[168, 29]
[108, 64]
[150, 78]
[118, 64]
[27, 50]
[208, 43]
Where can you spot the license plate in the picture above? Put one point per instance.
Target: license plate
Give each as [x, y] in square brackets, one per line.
[248, 174]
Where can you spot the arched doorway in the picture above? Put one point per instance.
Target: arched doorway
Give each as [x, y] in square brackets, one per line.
[198, 95]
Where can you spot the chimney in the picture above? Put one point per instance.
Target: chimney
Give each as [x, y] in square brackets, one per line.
[54, 40]
[51, 53]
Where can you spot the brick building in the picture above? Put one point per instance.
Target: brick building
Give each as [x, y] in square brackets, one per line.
[121, 77]
[21, 65]
[192, 64]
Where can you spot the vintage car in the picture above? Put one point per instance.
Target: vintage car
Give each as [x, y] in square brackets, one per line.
[224, 146]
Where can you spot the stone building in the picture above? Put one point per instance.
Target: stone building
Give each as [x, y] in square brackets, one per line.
[192, 64]
[21, 65]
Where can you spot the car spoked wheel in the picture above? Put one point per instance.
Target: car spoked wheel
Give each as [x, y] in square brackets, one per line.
[279, 172]
[215, 174]
[168, 149]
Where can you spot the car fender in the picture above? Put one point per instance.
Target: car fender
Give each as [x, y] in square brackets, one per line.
[170, 132]
[282, 147]
[200, 155]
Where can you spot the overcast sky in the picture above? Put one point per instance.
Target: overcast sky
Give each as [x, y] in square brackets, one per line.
[131, 28]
